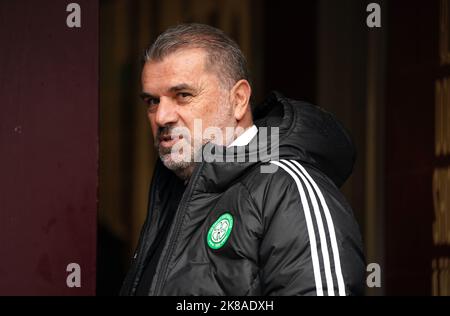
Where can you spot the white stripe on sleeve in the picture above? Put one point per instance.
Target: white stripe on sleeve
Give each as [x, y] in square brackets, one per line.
[310, 228]
[330, 224]
[323, 239]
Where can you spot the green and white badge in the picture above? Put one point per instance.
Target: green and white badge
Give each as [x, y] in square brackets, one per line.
[220, 231]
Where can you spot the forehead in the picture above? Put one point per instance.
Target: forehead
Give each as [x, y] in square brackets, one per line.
[187, 66]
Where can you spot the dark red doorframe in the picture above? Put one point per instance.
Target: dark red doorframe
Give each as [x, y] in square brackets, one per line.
[48, 147]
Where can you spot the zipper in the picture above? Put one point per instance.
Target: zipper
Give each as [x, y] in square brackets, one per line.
[138, 255]
[176, 230]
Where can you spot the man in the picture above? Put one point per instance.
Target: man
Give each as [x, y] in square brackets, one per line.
[233, 227]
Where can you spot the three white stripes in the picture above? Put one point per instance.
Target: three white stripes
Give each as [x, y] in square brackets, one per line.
[297, 172]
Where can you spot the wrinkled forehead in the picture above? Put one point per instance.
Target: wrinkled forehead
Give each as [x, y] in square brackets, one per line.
[187, 66]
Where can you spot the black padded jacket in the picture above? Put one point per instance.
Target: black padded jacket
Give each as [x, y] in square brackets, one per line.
[240, 231]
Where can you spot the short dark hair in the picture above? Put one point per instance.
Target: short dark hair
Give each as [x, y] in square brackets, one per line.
[223, 54]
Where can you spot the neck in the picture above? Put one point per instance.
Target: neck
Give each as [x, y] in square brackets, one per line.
[245, 123]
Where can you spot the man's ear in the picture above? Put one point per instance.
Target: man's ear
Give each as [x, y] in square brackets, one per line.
[240, 98]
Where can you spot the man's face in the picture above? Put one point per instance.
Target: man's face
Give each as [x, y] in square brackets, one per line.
[179, 90]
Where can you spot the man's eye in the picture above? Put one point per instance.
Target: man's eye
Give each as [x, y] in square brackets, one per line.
[151, 103]
[184, 95]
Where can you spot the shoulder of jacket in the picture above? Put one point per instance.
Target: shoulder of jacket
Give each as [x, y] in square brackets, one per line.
[266, 177]
[285, 174]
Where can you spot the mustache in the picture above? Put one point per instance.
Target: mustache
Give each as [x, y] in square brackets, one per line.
[164, 131]
[171, 132]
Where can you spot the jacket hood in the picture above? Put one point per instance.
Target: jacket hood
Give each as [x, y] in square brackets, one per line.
[309, 134]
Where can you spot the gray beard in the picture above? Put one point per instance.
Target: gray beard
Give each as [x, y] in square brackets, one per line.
[182, 169]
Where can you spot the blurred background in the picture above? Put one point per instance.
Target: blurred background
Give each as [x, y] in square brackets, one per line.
[388, 85]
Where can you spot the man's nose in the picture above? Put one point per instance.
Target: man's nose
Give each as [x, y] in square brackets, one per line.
[166, 113]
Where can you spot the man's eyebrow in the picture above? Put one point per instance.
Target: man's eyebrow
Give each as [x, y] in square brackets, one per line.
[146, 95]
[179, 87]
[176, 88]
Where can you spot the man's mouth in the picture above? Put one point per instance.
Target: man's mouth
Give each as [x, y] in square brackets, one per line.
[169, 140]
